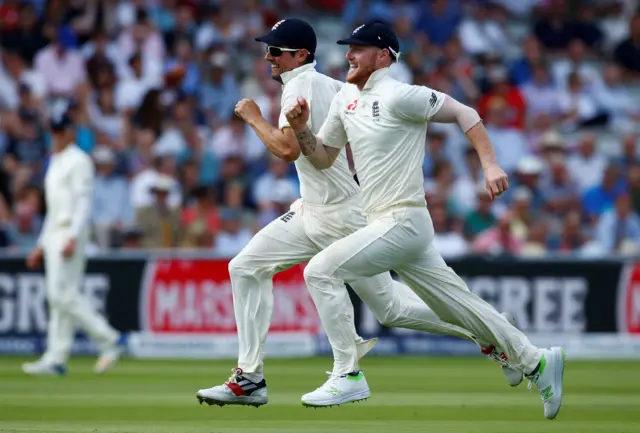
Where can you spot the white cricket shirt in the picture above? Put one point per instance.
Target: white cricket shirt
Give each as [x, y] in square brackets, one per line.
[336, 183]
[68, 190]
[386, 126]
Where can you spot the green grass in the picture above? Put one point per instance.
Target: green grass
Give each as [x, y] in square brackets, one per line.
[443, 395]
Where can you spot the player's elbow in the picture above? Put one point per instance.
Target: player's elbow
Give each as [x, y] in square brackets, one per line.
[290, 153]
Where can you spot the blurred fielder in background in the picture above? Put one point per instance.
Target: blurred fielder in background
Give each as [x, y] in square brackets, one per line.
[62, 242]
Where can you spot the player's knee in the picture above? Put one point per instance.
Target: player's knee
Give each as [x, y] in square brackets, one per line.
[318, 268]
[238, 267]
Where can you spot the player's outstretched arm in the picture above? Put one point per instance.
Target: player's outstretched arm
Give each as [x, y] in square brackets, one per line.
[280, 142]
[320, 155]
[470, 123]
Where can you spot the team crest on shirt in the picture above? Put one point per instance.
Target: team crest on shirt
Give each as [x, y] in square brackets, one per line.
[375, 111]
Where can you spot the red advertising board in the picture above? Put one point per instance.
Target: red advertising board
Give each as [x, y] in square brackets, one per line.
[194, 296]
[629, 299]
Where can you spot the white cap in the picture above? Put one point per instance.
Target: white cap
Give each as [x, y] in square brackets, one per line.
[162, 183]
[551, 139]
[219, 59]
[103, 155]
[530, 165]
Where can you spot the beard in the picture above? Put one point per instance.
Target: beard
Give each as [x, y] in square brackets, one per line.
[360, 75]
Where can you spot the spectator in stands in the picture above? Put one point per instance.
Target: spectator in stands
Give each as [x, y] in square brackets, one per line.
[627, 54]
[499, 239]
[28, 214]
[61, 65]
[523, 216]
[203, 210]
[20, 77]
[181, 132]
[633, 179]
[541, 93]
[142, 37]
[501, 88]
[536, 244]
[551, 144]
[183, 58]
[629, 155]
[559, 191]
[572, 236]
[26, 37]
[528, 174]
[134, 85]
[220, 91]
[26, 145]
[233, 171]
[480, 219]
[233, 236]
[521, 71]
[142, 184]
[465, 186]
[159, 222]
[613, 97]
[220, 27]
[479, 34]
[273, 189]
[586, 165]
[586, 29]
[578, 106]
[509, 142]
[619, 229]
[447, 238]
[439, 20]
[111, 209]
[554, 29]
[601, 198]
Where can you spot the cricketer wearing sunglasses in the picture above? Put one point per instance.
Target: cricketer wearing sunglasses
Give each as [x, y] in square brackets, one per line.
[328, 211]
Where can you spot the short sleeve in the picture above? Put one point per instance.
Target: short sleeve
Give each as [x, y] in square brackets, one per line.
[290, 95]
[332, 132]
[416, 103]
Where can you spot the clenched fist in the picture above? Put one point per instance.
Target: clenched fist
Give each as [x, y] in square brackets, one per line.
[247, 110]
[495, 180]
[298, 114]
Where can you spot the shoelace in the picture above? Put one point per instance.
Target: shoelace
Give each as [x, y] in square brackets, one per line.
[234, 375]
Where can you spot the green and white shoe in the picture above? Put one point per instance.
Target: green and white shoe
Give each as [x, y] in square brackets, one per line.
[548, 380]
[337, 390]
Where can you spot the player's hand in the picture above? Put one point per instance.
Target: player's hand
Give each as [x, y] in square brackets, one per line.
[34, 260]
[495, 180]
[298, 114]
[247, 110]
[69, 249]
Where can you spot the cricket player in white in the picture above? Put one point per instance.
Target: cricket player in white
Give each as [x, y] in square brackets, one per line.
[62, 242]
[385, 122]
[329, 210]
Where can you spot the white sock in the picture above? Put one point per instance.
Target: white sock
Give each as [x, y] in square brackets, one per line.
[254, 377]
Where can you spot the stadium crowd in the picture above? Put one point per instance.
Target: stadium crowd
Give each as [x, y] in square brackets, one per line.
[151, 86]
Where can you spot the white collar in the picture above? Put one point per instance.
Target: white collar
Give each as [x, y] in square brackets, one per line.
[290, 75]
[376, 77]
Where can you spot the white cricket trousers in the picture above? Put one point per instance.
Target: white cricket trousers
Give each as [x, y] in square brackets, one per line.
[294, 238]
[401, 239]
[69, 309]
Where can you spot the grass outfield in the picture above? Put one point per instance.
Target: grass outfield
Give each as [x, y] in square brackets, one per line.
[443, 395]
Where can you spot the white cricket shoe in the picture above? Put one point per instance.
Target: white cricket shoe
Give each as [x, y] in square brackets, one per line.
[110, 356]
[43, 368]
[513, 376]
[365, 347]
[238, 390]
[337, 390]
[548, 380]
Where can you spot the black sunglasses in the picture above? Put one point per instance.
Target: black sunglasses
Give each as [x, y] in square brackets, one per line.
[277, 51]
